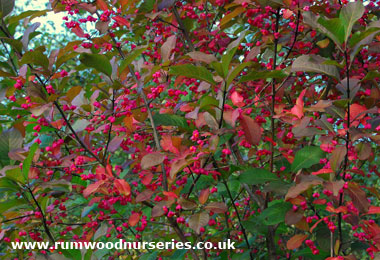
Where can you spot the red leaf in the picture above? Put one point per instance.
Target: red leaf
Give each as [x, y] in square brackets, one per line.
[322, 171]
[167, 48]
[337, 157]
[102, 5]
[178, 164]
[315, 225]
[293, 217]
[364, 151]
[123, 187]
[230, 116]
[217, 207]
[341, 209]
[358, 197]
[198, 220]
[294, 191]
[187, 204]
[357, 112]
[102, 172]
[252, 130]
[295, 241]
[170, 194]
[145, 195]
[334, 186]
[151, 159]
[146, 177]
[203, 196]
[237, 99]
[373, 210]
[253, 53]
[78, 31]
[88, 7]
[287, 13]
[320, 201]
[201, 56]
[134, 219]
[298, 108]
[158, 210]
[122, 21]
[171, 143]
[92, 188]
[115, 143]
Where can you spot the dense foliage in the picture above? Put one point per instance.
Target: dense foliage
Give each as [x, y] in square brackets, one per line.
[255, 121]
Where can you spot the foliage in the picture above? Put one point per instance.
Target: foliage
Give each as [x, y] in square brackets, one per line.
[255, 121]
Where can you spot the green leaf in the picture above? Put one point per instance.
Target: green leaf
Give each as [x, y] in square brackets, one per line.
[131, 57]
[236, 71]
[335, 29]
[9, 140]
[6, 7]
[349, 14]
[29, 34]
[149, 256]
[307, 157]
[371, 75]
[275, 213]
[230, 52]
[178, 254]
[170, 120]
[15, 175]
[361, 39]
[263, 75]
[64, 58]
[28, 160]
[72, 253]
[7, 184]
[80, 125]
[98, 62]
[207, 102]
[88, 254]
[10, 204]
[86, 210]
[192, 71]
[146, 6]
[306, 253]
[35, 57]
[332, 29]
[360, 36]
[226, 60]
[314, 63]
[255, 226]
[257, 176]
[31, 13]
[218, 67]
[17, 45]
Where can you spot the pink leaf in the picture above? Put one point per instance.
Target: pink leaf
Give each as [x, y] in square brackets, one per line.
[298, 108]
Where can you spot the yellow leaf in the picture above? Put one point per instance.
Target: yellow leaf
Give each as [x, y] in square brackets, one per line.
[231, 15]
[323, 43]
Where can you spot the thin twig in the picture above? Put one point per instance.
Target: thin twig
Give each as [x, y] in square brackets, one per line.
[345, 164]
[110, 130]
[47, 230]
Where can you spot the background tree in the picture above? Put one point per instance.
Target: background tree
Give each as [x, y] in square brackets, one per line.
[254, 121]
